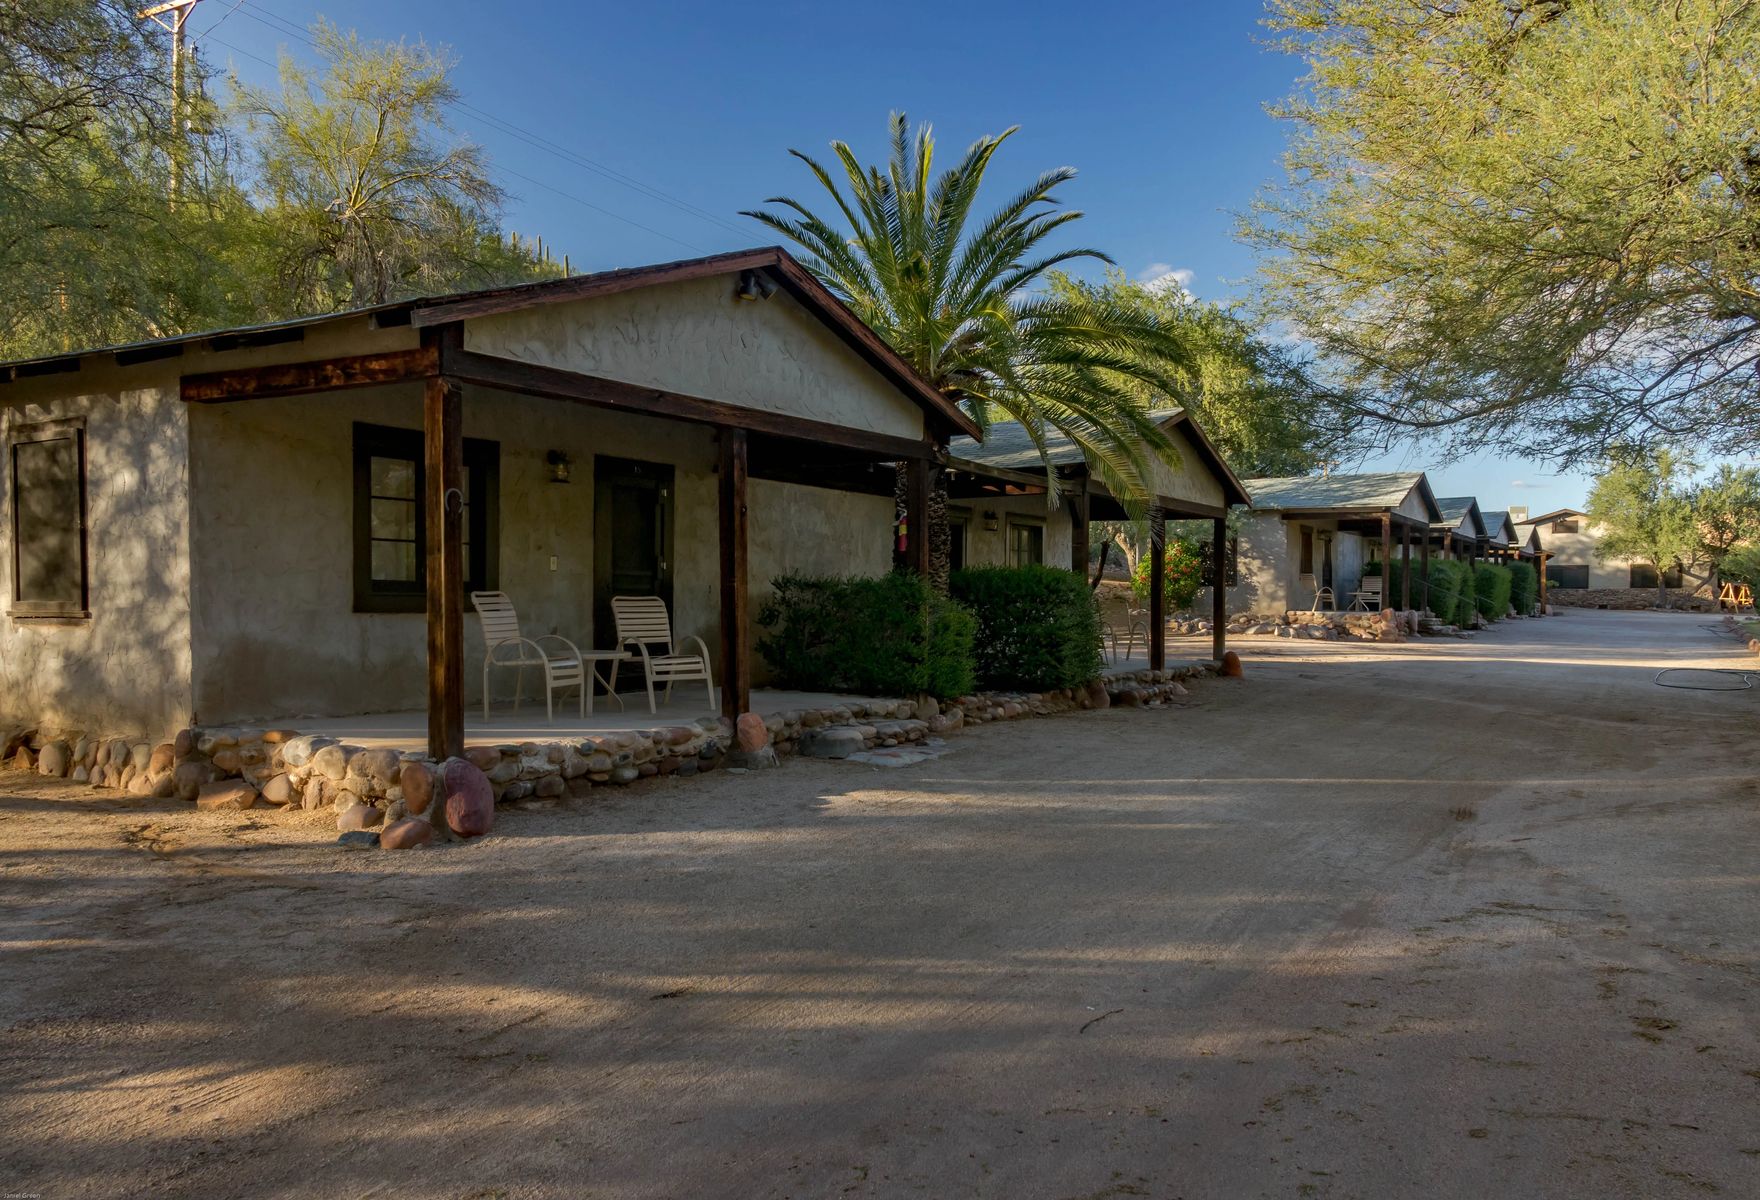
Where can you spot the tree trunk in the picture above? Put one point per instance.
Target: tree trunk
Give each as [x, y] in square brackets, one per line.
[1100, 571]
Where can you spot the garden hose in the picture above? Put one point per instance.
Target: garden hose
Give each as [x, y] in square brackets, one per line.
[1747, 678]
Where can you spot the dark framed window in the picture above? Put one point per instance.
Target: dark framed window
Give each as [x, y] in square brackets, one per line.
[391, 518]
[1560, 576]
[1307, 564]
[1565, 525]
[1026, 542]
[1644, 576]
[959, 525]
[46, 490]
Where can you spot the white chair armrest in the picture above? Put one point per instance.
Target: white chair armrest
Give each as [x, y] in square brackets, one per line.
[491, 660]
[702, 649]
[554, 637]
[641, 648]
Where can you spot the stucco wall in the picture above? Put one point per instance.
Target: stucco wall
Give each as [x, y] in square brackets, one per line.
[1578, 549]
[1271, 563]
[698, 339]
[1413, 506]
[272, 542]
[990, 547]
[127, 669]
[1191, 479]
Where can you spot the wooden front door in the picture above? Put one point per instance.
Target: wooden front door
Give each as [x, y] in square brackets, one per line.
[632, 537]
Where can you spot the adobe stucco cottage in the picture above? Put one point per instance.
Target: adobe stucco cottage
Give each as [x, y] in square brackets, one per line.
[266, 523]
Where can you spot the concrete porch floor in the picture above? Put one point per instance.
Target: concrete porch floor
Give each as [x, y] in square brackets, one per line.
[409, 730]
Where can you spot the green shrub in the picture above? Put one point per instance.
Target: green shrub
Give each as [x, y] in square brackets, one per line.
[1181, 577]
[1524, 587]
[1038, 627]
[1442, 596]
[1492, 583]
[891, 636]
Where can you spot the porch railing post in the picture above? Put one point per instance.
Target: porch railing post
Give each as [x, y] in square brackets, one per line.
[1157, 589]
[1386, 558]
[736, 647]
[1219, 588]
[443, 469]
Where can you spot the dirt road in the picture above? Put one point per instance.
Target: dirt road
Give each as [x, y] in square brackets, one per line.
[1473, 919]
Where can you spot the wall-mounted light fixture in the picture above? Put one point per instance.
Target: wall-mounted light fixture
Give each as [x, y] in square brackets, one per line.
[560, 466]
[990, 520]
[755, 285]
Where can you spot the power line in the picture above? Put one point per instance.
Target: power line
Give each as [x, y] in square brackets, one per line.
[538, 141]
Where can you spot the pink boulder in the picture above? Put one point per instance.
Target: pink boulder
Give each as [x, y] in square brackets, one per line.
[417, 781]
[751, 733]
[1231, 665]
[406, 834]
[470, 799]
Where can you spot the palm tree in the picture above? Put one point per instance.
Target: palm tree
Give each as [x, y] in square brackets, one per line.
[955, 296]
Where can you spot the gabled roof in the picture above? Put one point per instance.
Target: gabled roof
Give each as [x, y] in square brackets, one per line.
[1499, 527]
[1554, 515]
[1345, 493]
[436, 310]
[1009, 446]
[1460, 514]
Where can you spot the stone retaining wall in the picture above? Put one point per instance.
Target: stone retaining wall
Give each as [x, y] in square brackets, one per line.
[238, 767]
[1628, 598]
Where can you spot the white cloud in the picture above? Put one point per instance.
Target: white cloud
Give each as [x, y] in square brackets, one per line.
[1163, 277]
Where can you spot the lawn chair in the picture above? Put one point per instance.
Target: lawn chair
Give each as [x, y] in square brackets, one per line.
[1322, 595]
[1367, 597]
[642, 622]
[1135, 621]
[504, 647]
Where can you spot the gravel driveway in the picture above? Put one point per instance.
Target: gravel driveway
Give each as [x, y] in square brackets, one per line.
[1464, 919]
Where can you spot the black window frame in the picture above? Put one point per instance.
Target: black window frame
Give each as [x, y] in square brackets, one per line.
[1018, 522]
[1642, 577]
[1557, 577]
[482, 570]
[1566, 525]
[62, 429]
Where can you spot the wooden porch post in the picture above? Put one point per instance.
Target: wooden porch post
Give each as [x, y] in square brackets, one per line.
[1542, 557]
[1157, 589]
[1424, 569]
[1405, 567]
[1386, 557]
[443, 467]
[916, 516]
[1078, 529]
[736, 664]
[1219, 588]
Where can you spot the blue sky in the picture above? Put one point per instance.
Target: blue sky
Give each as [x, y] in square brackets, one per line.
[670, 118]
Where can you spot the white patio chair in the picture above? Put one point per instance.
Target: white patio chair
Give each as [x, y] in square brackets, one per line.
[504, 647]
[642, 622]
[1321, 595]
[1136, 621]
[1367, 597]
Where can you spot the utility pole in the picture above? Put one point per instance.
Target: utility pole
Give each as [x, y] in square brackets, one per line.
[173, 16]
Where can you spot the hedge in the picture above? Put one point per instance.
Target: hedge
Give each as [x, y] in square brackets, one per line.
[1447, 583]
[1492, 583]
[1524, 588]
[1038, 627]
[891, 636]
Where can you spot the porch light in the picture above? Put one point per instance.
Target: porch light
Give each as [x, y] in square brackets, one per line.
[989, 520]
[755, 285]
[560, 466]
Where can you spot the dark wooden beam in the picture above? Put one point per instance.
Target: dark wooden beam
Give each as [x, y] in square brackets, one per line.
[512, 375]
[1386, 558]
[736, 638]
[1078, 526]
[1219, 589]
[1157, 590]
[323, 375]
[1424, 554]
[1405, 568]
[443, 464]
[916, 515]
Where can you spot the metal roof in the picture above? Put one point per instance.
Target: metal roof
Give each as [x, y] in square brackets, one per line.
[1380, 489]
[1008, 444]
[1499, 527]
